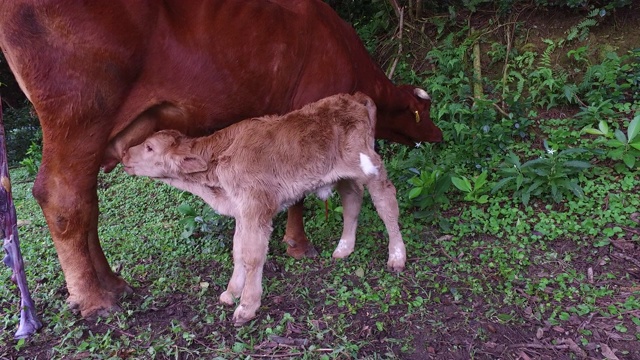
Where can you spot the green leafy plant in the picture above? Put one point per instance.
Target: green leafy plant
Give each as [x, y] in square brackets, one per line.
[208, 225]
[474, 189]
[552, 174]
[429, 189]
[625, 147]
[33, 158]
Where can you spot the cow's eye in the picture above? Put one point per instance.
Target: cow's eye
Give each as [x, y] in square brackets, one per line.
[148, 147]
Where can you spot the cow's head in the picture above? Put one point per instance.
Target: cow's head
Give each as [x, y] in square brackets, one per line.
[407, 120]
[161, 156]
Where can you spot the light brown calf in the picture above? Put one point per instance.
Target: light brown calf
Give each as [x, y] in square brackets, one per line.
[255, 168]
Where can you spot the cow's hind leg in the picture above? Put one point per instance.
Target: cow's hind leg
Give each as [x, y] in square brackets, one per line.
[298, 245]
[383, 194]
[351, 196]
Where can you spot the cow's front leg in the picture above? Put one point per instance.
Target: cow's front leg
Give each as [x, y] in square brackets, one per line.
[254, 234]
[108, 279]
[68, 198]
[298, 245]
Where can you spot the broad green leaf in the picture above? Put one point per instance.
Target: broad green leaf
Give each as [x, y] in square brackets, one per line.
[481, 180]
[602, 242]
[634, 128]
[415, 181]
[629, 160]
[534, 186]
[415, 192]
[620, 136]
[534, 162]
[604, 127]
[501, 184]
[483, 199]
[593, 131]
[519, 181]
[541, 172]
[578, 164]
[186, 209]
[575, 189]
[635, 144]
[514, 159]
[462, 183]
[573, 151]
[525, 198]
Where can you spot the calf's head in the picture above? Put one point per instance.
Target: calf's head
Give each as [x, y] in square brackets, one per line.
[408, 120]
[163, 155]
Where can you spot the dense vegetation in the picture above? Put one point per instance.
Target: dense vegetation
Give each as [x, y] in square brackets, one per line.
[521, 227]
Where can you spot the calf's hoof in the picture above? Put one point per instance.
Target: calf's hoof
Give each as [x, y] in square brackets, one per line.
[242, 315]
[342, 250]
[300, 249]
[227, 298]
[396, 265]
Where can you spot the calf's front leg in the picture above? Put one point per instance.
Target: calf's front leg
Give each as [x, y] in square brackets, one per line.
[250, 241]
[236, 283]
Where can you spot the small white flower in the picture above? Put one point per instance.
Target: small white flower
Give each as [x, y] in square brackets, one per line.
[418, 144]
[550, 151]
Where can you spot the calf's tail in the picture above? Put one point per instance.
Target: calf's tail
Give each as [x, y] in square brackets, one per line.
[371, 110]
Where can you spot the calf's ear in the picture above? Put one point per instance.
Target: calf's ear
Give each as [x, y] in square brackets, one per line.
[190, 164]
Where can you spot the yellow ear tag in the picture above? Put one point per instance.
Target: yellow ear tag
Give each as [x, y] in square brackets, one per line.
[417, 116]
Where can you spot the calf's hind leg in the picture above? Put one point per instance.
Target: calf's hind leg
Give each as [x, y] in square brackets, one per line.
[351, 197]
[383, 194]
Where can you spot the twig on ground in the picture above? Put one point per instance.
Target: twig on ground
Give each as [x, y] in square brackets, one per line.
[297, 354]
[562, 345]
[628, 258]
[445, 238]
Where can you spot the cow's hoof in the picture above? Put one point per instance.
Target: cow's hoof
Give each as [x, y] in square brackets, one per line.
[122, 289]
[300, 249]
[91, 308]
[227, 298]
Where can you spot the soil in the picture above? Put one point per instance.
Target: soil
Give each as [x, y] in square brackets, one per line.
[458, 333]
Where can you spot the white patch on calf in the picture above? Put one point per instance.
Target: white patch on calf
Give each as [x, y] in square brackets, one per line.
[344, 248]
[324, 192]
[367, 166]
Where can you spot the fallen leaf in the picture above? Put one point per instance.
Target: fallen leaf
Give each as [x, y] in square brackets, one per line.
[607, 352]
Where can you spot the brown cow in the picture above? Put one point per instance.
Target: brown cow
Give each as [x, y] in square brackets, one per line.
[103, 75]
[255, 168]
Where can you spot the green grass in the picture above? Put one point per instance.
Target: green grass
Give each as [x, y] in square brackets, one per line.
[502, 263]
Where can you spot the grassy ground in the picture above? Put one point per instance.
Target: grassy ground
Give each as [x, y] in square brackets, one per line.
[505, 280]
[486, 278]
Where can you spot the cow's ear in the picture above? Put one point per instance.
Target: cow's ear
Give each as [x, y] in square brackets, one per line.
[190, 164]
